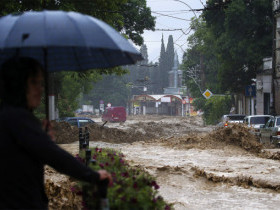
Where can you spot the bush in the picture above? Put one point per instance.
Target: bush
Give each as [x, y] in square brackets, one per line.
[132, 189]
[215, 108]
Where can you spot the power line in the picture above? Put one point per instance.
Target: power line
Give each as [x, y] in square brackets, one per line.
[176, 29]
[170, 16]
[184, 33]
[182, 11]
[186, 5]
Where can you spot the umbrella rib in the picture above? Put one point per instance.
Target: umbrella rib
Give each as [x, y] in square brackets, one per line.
[79, 31]
[76, 56]
[129, 56]
[101, 49]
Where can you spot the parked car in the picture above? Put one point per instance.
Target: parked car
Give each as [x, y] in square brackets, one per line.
[270, 132]
[256, 121]
[231, 118]
[114, 114]
[77, 121]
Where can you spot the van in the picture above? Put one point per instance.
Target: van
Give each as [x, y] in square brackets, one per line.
[114, 114]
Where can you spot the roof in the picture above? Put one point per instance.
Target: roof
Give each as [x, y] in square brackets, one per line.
[235, 115]
[259, 116]
[78, 118]
[156, 97]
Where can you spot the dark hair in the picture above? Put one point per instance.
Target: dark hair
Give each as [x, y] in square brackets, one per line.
[14, 74]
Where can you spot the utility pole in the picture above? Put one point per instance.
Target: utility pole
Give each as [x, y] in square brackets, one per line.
[274, 108]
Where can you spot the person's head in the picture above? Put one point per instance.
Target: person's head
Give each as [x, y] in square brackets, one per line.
[21, 82]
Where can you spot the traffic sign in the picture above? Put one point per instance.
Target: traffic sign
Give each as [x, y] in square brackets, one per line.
[250, 90]
[101, 107]
[207, 94]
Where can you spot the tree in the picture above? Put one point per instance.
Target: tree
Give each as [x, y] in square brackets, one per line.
[111, 89]
[243, 31]
[169, 60]
[160, 74]
[199, 62]
[202, 45]
[137, 18]
[166, 62]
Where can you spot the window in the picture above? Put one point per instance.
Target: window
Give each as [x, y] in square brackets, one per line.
[271, 123]
[72, 122]
[84, 122]
[278, 122]
[259, 120]
[268, 122]
[236, 117]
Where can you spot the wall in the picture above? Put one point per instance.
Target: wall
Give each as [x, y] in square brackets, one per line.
[264, 85]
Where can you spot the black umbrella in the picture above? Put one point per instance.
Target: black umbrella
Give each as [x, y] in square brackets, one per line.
[64, 41]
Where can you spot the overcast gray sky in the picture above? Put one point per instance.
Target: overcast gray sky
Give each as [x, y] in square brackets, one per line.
[170, 15]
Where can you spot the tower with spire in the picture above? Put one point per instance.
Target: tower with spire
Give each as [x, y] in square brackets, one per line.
[175, 78]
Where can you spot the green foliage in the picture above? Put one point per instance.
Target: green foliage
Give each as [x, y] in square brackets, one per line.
[242, 31]
[214, 108]
[132, 189]
[136, 18]
[112, 88]
[39, 112]
[200, 66]
[166, 62]
[69, 89]
[226, 49]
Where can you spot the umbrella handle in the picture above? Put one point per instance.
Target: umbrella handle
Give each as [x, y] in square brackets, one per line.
[102, 192]
[102, 188]
[47, 126]
[46, 75]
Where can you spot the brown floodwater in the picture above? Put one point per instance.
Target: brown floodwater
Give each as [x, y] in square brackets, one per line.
[214, 179]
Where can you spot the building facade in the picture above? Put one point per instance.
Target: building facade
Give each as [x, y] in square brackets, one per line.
[264, 95]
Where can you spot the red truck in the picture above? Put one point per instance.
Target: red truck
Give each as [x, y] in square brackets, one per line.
[114, 114]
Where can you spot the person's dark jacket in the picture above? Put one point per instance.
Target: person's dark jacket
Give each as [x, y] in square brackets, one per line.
[24, 150]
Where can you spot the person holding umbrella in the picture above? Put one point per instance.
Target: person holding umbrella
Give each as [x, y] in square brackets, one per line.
[25, 147]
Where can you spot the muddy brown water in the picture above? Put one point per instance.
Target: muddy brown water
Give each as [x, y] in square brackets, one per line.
[196, 166]
[177, 173]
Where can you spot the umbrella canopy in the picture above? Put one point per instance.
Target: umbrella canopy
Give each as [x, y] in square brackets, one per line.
[64, 41]
[61, 40]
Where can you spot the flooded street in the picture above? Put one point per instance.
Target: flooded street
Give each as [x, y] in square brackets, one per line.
[175, 173]
[196, 166]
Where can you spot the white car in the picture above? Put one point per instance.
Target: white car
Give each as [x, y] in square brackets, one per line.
[270, 132]
[256, 121]
[231, 118]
